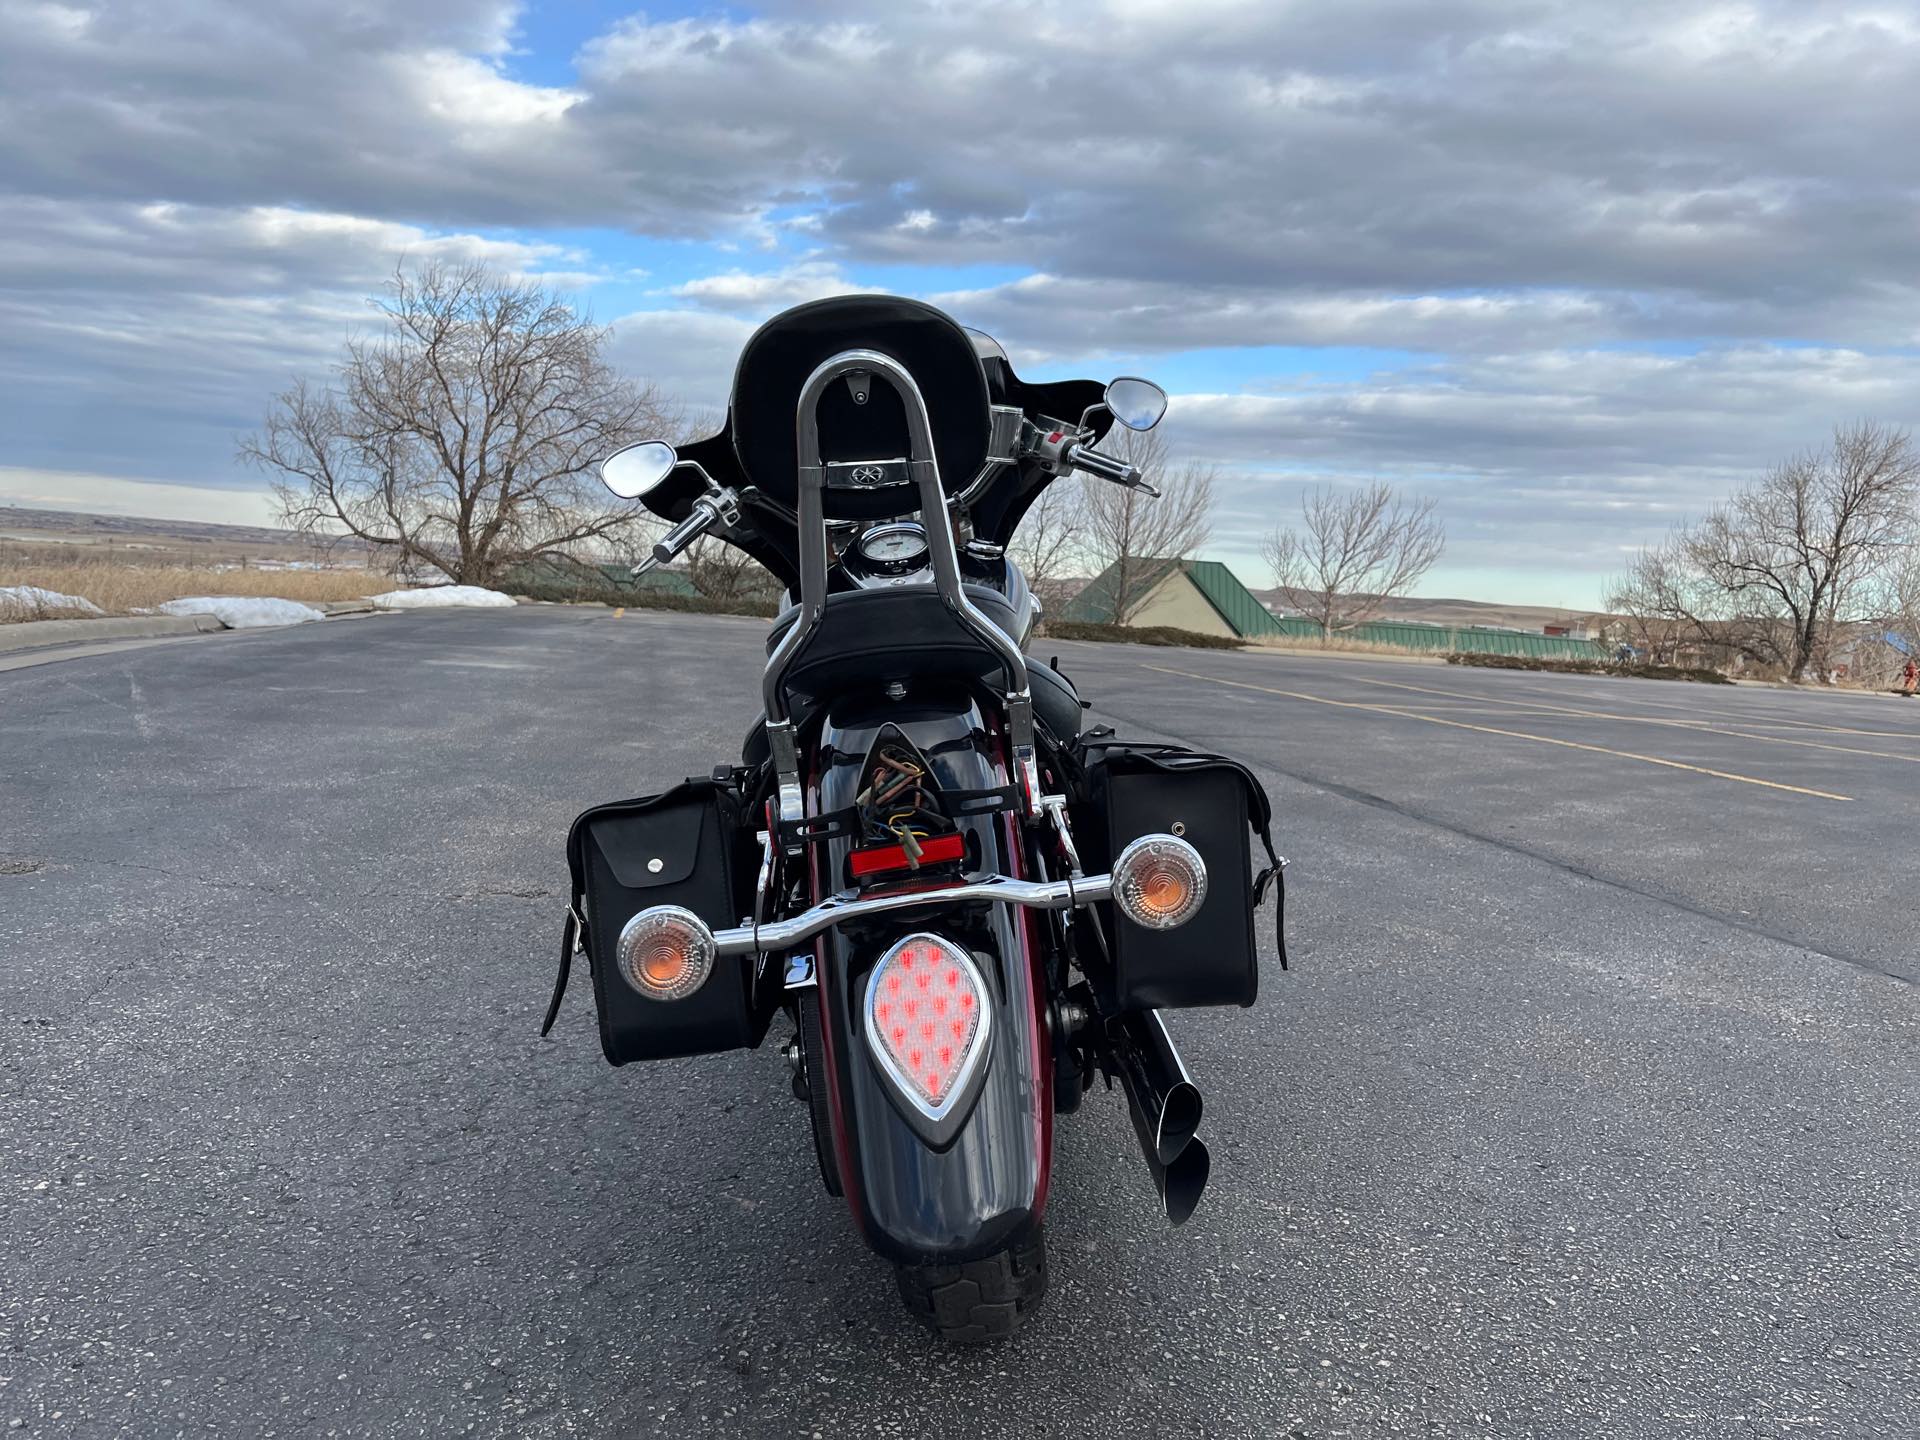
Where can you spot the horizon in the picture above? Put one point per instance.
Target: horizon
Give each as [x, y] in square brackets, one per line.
[1259, 589]
[1576, 273]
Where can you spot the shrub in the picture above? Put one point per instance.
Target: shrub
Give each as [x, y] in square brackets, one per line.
[1137, 635]
[572, 591]
[1589, 667]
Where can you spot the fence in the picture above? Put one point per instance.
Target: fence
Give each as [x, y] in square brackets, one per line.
[1412, 635]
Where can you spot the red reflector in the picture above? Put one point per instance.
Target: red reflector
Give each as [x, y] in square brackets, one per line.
[881, 859]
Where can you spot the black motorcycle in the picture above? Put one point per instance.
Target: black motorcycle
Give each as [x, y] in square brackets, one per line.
[968, 903]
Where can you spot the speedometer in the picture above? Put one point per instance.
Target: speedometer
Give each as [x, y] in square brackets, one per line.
[894, 548]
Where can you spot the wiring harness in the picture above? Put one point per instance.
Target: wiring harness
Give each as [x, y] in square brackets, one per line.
[900, 804]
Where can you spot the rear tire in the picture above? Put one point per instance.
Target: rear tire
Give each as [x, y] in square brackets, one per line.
[813, 1052]
[980, 1300]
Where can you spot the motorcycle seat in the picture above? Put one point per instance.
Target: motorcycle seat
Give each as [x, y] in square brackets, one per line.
[1056, 704]
[874, 636]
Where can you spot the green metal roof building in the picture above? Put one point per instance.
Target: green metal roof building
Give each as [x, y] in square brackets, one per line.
[1206, 596]
[1201, 595]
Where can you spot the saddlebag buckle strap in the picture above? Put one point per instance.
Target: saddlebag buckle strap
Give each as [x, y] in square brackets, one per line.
[1274, 875]
[569, 943]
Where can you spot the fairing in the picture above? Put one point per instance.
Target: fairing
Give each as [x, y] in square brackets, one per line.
[753, 451]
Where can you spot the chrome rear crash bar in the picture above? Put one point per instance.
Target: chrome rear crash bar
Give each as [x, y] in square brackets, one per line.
[838, 909]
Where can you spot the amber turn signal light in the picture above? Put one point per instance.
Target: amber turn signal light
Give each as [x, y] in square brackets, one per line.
[1159, 882]
[666, 953]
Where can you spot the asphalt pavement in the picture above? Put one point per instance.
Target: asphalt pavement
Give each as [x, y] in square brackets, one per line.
[1589, 1107]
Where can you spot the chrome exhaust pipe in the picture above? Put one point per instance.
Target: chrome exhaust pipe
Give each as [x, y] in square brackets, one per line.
[1152, 1070]
[1165, 1107]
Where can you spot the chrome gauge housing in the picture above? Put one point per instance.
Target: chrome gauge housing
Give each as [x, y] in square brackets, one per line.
[890, 551]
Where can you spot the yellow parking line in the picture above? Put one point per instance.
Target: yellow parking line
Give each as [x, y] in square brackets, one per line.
[1539, 707]
[1403, 713]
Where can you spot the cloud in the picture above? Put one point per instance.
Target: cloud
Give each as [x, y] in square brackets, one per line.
[121, 495]
[144, 337]
[688, 353]
[1558, 461]
[763, 292]
[1752, 163]
[1639, 248]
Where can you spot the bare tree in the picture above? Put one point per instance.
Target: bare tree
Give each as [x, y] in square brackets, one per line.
[1647, 599]
[1904, 602]
[720, 571]
[1795, 558]
[1668, 610]
[1353, 551]
[1046, 543]
[1127, 534]
[462, 437]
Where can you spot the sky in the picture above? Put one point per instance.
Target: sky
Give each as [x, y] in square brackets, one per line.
[1574, 269]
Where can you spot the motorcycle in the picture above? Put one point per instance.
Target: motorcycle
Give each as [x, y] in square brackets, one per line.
[968, 903]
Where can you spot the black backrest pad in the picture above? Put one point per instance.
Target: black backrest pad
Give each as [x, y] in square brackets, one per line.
[788, 348]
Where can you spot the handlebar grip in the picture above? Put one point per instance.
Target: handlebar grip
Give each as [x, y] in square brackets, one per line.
[683, 534]
[1105, 466]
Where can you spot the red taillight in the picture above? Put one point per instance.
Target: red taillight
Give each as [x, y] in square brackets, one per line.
[927, 1019]
[885, 859]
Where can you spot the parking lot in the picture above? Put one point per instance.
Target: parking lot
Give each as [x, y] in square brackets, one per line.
[1588, 1108]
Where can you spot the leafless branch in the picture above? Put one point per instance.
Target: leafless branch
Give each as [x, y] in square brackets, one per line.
[1352, 552]
[1800, 558]
[1125, 532]
[462, 437]
[1048, 541]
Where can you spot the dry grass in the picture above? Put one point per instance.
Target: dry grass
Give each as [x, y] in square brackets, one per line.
[1340, 645]
[120, 588]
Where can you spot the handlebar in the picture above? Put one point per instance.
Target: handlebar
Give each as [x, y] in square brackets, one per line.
[683, 534]
[707, 510]
[1107, 467]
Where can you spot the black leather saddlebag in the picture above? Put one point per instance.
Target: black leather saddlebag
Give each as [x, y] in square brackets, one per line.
[692, 847]
[1216, 805]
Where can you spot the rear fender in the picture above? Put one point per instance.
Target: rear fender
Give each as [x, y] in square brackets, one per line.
[989, 1184]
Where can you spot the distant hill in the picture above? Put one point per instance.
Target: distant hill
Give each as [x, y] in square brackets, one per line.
[172, 541]
[1440, 611]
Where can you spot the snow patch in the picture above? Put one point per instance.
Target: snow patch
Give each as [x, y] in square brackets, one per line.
[436, 596]
[29, 599]
[244, 612]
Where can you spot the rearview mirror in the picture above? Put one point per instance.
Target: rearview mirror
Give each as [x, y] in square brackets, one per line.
[632, 472]
[1137, 404]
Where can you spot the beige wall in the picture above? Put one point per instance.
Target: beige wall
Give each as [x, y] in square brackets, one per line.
[1176, 601]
